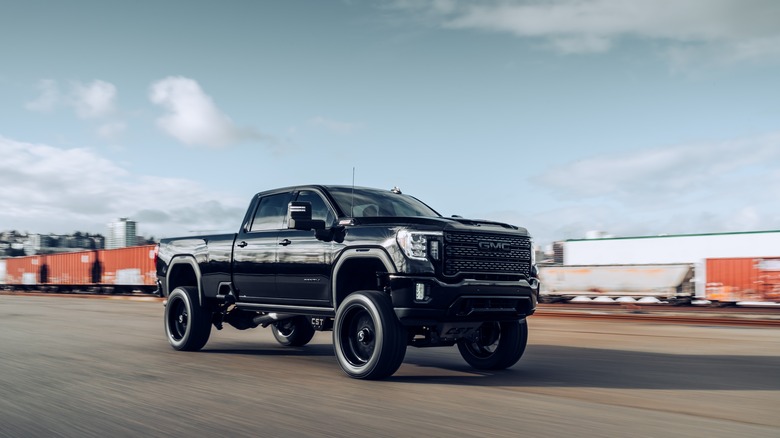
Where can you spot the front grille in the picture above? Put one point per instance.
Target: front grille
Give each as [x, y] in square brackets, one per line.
[477, 255]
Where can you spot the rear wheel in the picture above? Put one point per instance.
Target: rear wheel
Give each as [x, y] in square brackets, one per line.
[187, 322]
[293, 332]
[496, 345]
[369, 341]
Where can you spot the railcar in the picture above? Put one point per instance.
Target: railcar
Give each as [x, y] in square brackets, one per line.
[607, 283]
[729, 281]
[120, 270]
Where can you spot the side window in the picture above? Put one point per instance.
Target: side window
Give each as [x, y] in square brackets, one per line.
[270, 213]
[319, 209]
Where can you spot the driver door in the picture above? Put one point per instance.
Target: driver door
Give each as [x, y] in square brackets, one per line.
[255, 250]
[305, 262]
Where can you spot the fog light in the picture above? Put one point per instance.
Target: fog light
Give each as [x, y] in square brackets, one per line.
[420, 292]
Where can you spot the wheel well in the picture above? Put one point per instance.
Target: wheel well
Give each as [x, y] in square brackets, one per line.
[182, 274]
[357, 274]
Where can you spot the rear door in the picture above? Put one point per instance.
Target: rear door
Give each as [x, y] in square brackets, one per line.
[254, 254]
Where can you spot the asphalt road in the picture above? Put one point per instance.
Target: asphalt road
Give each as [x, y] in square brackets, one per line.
[94, 367]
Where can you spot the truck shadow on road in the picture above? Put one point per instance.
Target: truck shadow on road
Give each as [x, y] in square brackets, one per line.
[556, 366]
[562, 367]
[240, 349]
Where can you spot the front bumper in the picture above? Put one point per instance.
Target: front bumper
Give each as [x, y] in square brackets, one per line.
[467, 301]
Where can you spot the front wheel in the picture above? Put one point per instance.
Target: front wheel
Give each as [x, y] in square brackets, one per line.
[369, 341]
[187, 322]
[495, 345]
[293, 332]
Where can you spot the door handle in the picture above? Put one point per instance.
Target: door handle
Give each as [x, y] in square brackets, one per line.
[242, 244]
[285, 242]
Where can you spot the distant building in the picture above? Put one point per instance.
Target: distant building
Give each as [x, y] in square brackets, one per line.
[558, 248]
[14, 244]
[121, 234]
[100, 241]
[33, 244]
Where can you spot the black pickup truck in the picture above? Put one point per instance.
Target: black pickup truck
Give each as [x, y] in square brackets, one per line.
[381, 269]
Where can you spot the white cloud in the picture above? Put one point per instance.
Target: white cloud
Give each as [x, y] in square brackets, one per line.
[192, 116]
[739, 29]
[581, 44]
[688, 188]
[664, 172]
[334, 125]
[48, 99]
[94, 100]
[568, 221]
[63, 190]
[111, 130]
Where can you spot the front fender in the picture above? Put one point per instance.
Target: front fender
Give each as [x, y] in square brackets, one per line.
[376, 253]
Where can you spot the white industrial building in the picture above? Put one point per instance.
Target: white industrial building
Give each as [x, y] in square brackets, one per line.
[668, 249]
[121, 234]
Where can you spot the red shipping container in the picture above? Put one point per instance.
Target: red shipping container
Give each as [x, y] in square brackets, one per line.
[743, 279]
[70, 268]
[769, 278]
[131, 266]
[23, 270]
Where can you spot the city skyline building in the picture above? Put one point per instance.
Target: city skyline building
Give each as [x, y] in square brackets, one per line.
[121, 233]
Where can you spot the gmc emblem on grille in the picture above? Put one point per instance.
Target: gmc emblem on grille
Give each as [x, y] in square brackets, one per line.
[485, 245]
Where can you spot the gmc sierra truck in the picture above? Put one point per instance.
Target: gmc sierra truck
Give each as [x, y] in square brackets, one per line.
[379, 268]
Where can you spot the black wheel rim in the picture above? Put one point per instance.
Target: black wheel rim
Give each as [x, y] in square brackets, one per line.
[285, 329]
[359, 336]
[485, 341]
[178, 318]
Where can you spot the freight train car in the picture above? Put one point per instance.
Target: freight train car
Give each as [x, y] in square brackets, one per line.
[683, 248]
[70, 270]
[23, 272]
[740, 281]
[114, 270]
[670, 283]
[747, 280]
[125, 269]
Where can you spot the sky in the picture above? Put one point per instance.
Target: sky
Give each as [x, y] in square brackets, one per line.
[631, 117]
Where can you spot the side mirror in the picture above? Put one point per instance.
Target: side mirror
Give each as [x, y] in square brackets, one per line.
[300, 217]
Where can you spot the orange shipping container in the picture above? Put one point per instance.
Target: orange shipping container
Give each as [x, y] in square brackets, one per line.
[70, 268]
[131, 266]
[743, 279]
[23, 270]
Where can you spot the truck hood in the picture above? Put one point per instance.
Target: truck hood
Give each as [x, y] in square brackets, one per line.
[442, 224]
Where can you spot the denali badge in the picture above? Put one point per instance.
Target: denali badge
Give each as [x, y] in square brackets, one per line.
[485, 245]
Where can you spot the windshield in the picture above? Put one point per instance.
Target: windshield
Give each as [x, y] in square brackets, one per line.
[363, 202]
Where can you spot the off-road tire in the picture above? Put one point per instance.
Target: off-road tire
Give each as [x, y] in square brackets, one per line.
[293, 332]
[187, 322]
[369, 341]
[496, 346]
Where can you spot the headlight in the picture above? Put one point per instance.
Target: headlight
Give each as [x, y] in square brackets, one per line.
[419, 245]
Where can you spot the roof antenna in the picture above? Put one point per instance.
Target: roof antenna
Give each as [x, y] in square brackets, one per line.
[352, 204]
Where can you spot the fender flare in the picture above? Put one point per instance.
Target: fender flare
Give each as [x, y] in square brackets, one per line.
[377, 253]
[184, 260]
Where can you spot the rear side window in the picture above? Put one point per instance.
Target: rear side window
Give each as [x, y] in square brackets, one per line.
[270, 212]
